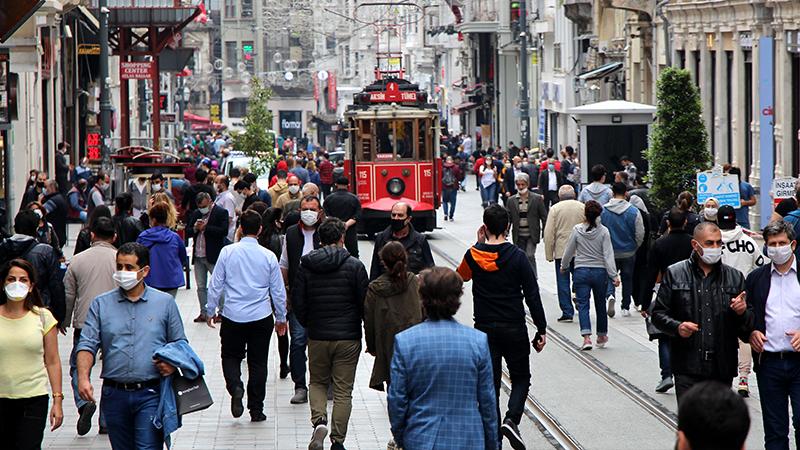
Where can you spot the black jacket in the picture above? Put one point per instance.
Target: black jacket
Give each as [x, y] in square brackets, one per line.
[127, 228]
[669, 249]
[57, 212]
[49, 278]
[62, 173]
[189, 201]
[686, 295]
[344, 205]
[294, 249]
[216, 231]
[544, 184]
[328, 294]
[758, 283]
[417, 248]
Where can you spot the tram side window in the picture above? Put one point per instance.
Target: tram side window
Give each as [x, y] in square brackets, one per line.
[425, 146]
[385, 137]
[405, 139]
[365, 140]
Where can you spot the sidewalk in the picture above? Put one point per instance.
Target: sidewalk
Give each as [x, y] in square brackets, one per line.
[287, 426]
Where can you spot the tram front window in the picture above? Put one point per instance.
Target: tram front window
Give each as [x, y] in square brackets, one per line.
[405, 139]
[385, 136]
[394, 139]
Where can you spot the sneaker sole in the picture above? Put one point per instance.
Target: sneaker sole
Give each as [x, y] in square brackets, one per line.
[665, 388]
[85, 419]
[513, 438]
[611, 312]
[318, 438]
[586, 347]
[237, 408]
[744, 393]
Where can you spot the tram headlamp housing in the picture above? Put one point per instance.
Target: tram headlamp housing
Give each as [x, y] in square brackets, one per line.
[396, 187]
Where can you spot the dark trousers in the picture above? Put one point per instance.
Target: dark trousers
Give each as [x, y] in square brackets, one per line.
[326, 189]
[663, 358]
[550, 198]
[251, 338]
[129, 416]
[510, 342]
[283, 349]
[297, 351]
[778, 384]
[685, 382]
[22, 422]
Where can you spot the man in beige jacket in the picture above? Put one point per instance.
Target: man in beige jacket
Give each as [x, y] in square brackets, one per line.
[563, 217]
[90, 274]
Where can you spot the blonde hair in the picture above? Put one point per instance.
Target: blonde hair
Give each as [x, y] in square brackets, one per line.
[172, 214]
[311, 166]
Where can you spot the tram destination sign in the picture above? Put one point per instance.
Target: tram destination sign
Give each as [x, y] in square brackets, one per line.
[392, 94]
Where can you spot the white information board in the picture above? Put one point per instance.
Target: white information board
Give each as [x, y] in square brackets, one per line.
[783, 188]
[722, 186]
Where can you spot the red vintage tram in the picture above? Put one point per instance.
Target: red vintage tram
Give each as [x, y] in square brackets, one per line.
[392, 153]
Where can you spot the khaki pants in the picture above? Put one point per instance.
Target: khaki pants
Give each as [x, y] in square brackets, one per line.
[745, 359]
[332, 361]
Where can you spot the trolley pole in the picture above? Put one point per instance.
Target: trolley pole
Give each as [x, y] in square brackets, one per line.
[105, 101]
[524, 101]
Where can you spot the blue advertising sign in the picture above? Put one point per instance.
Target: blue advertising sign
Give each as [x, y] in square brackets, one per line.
[723, 187]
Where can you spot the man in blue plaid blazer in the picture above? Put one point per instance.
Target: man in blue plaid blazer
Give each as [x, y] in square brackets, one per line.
[441, 370]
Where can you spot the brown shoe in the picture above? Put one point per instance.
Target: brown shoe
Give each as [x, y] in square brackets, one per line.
[217, 318]
[200, 319]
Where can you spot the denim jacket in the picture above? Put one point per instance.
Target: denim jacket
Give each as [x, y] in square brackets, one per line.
[180, 355]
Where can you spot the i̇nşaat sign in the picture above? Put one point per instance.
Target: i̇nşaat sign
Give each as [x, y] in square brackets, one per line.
[13, 13]
[136, 70]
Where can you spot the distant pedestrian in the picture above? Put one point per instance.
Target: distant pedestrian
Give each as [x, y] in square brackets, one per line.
[629, 167]
[528, 218]
[451, 181]
[591, 248]
[345, 206]
[167, 252]
[747, 197]
[712, 417]
[441, 374]
[84, 240]
[550, 180]
[56, 210]
[328, 297]
[208, 226]
[28, 359]
[226, 200]
[313, 174]
[128, 227]
[46, 232]
[489, 177]
[279, 188]
[292, 193]
[392, 305]
[710, 210]
[597, 190]
[561, 220]
[62, 168]
[400, 229]
[626, 227]
[248, 276]
[705, 297]
[503, 280]
[76, 197]
[684, 202]
[325, 174]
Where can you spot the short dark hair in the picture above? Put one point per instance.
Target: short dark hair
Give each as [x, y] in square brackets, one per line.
[495, 219]
[26, 222]
[550, 153]
[331, 230]
[703, 226]
[619, 188]
[156, 176]
[281, 174]
[711, 416]
[103, 228]
[159, 212]
[200, 175]
[735, 171]
[570, 151]
[250, 178]
[124, 201]
[777, 227]
[625, 158]
[311, 198]
[440, 290]
[61, 145]
[598, 172]
[141, 252]
[676, 218]
[235, 172]
[259, 207]
[241, 184]
[342, 181]
[250, 222]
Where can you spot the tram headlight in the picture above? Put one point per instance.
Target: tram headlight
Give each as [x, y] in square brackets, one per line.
[395, 186]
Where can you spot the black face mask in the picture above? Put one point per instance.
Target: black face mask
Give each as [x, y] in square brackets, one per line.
[39, 184]
[398, 224]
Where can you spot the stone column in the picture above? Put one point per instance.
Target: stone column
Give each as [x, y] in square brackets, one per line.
[783, 105]
[755, 130]
[705, 89]
[721, 111]
[738, 126]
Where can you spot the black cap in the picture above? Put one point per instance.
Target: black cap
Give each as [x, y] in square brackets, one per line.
[342, 181]
[726, 217]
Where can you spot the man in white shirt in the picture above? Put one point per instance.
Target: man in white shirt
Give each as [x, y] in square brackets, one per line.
[773, 295]
[226, 201]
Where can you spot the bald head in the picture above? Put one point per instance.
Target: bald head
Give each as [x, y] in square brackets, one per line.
[705, 228]
[401, 210]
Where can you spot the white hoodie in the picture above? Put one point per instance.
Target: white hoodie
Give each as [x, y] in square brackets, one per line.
[741, 252]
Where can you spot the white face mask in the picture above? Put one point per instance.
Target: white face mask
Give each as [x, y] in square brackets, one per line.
[309, 217]
[127, 280]
[710, 213]
[156, 187]
[780, 255]
[294, 189]
[17, 291]
[711, 255]
[522, 191]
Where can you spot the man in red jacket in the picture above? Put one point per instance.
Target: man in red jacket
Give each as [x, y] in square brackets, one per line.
[325, 174]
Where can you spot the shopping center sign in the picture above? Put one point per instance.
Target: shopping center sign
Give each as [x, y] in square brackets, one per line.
[136, 70]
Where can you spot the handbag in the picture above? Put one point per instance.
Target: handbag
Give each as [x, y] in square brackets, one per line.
[191, 395]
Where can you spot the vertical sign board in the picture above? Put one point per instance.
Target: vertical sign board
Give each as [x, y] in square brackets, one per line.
[721, 186]
[5, 89]
[782, 188]
[766, 71]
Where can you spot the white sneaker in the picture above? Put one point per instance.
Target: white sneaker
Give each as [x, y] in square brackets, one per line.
[626, 313]
[611, 303]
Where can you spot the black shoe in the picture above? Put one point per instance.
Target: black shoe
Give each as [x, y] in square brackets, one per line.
[85, 420]
[564, 319]
[237, 408]
[511, 432]
[285, 370]
[337, 446]
[257, 416]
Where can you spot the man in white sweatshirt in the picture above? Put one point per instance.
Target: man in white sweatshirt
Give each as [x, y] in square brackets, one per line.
[742, 253]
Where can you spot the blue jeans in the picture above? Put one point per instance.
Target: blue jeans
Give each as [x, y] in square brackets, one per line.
[625, 267]
[778, 384]
[663, 358]
[489, 194]
[588, 281]
[449, 199]
[73, 368]
[129, 415]
[564, 293]
[297, 351]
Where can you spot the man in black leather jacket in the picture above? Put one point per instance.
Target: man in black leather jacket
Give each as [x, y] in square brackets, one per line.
[49, 278]
[401, 230]
[701, 306]
[328, 299]
[127, 227]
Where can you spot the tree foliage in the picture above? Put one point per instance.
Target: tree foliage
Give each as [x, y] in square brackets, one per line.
[679, 141]
[256, 142]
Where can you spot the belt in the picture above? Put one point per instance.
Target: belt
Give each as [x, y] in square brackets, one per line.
[781, 355]
[134, 386]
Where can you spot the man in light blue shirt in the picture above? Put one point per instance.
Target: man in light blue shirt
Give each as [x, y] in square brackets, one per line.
[129, 324]
[249, 277]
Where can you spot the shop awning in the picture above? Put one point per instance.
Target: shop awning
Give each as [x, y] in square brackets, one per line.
[208, 126]
[601, 72]
[464, 107]
[189, 117]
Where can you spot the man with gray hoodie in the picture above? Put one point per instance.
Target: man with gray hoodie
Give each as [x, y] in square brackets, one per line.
[597, 190]
[625, 223]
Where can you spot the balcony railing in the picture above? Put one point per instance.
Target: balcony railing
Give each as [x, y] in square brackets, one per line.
[94, 4]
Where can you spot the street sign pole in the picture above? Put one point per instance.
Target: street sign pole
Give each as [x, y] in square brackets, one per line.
[105, 80]
[524, 102]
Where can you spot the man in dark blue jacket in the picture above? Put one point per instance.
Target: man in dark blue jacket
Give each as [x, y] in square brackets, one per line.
[208, 225]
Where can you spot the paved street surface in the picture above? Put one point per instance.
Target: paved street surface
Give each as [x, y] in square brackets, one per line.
[595, 413]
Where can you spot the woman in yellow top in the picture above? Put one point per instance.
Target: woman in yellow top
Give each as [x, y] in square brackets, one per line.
[28, 357]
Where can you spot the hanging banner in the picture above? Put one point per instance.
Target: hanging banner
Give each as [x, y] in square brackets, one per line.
[332, 95]
[316, 86]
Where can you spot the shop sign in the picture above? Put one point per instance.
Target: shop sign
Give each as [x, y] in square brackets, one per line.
[136, 70]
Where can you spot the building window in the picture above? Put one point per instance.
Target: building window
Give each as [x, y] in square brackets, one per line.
[231, 54]
[230, 9]
[557, 56]
[247, 8]
[330, 43]
[237, 108]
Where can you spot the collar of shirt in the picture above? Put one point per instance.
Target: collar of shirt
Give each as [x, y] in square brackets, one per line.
[792, 268]
[145, 295]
